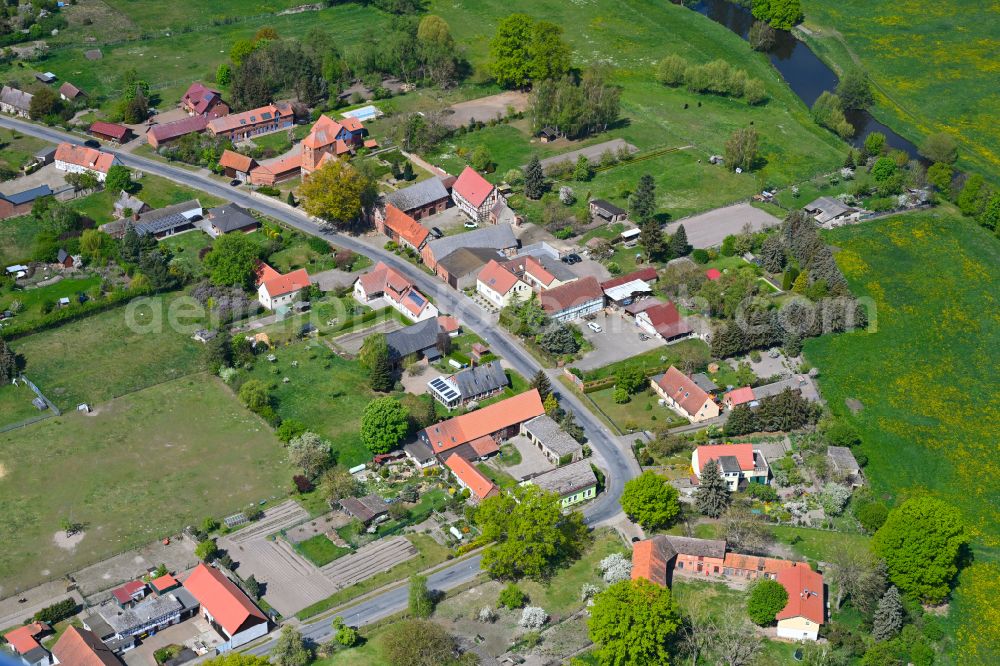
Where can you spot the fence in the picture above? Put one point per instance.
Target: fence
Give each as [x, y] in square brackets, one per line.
[38, 392]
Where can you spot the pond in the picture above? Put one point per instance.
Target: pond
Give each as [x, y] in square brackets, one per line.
[805, 73]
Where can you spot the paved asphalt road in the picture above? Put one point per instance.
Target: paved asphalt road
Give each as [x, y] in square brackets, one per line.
[617, 463]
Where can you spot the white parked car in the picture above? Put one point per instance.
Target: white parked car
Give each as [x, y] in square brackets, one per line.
[471, 224]
[595, 327]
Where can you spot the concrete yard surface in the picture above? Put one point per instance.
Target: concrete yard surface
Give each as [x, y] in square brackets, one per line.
[708, 229]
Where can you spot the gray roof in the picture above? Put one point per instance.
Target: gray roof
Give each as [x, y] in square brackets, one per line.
[419, 195]
[130, 620]
[567, 479]
[16, 98]
[768, 390]
[126, 200]
[729, 465]
[607, 206]
[466, 260]
[481, 379]
[698, 547]
[419, 450]
[495, 236]
[827, 208]
[231, 217]
[164, 219]
[365, 508]
[27, 195]
[702, 381]
[842, 459]
[420, 337]
[548, 432]
[558, 269]
[98, 625]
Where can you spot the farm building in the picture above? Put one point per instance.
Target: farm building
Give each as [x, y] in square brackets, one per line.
[110, 132]
[573, 300]
[159, 135]
[235, 165]
[226, 607]
[474, 195]
[255, 122]
[421, 200]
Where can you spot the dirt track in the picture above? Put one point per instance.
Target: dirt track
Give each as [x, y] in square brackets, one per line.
[485, 108]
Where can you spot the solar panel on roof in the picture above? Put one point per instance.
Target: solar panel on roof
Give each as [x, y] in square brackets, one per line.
[416, 298]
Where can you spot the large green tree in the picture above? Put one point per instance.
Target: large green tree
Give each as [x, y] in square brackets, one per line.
[375, 358]
[940, 147]
[8, 363]
[530, 534]
[766, 599]
[643, 202]
[712, 495]
[233, 260]
[534, 179]
[337, 193]
[550, 55]
[421, 603]
[633, 623]
[855, 90]
[418, 643]
[119, 178]
[921, 543]
[741, 149]
[510, 51]
[384, 423]
[781, 14]
[650, 500]
[290, 649]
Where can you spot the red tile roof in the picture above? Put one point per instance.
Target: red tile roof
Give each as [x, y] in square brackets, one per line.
[484, 446]
[647, 274]
[200, 98]
[288, 283]
[164, 583]
[742, 452]
[262, 115]
[667, 320]
[571, 294]
[378, 278]
[91, 158]
[534, 268]
[117, 132]
[473, 187]
[23, 639]
[234, 160]
[649, 562]
[495, 276]
[683, 390]
[769, 565]
[463, 429]
[478, 484]
[124, 593]
[79, 647]
[178, 128]
[448, 323]
[352, 124]
[225, 602]
[405, 226]
[264, 272]
[70, 91]
[713, 273]
[739, 396]
[323, 133]
[805, 593]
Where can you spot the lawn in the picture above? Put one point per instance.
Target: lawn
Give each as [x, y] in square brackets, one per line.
[642, 412]
[154, 191]
[325, 392]
[818, 544]
[107, 355]
[34, 299]
[136, 469]
[16, 150]
[657, 359]
[926, 378]
[320, 550]
[17, 239]
[501, 479]
[15, 404]
[186, 247]
[934, 66]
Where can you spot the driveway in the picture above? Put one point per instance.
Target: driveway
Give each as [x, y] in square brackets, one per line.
[351, 342]
[533, 461]
[708, 229]
[47, 175]
[187, 633]
[618, 341]
[449, 221]
[592, 153]
[334, 278]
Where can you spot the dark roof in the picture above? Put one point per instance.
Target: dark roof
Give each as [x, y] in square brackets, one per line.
[842, 459]
[545, 429]
[496, 237]
[729, 465]
[698, 547]
[567, 479]
[481, 379]
[231, 217]
[702, 381]
[419, 450]
[114, 130]
[61, 256]
[467, 260]
[420, 337]
[647, 274]
[27, 195]
[419, 195]
[607, 206]
[365, 508]
[163, 219]
[571, 294]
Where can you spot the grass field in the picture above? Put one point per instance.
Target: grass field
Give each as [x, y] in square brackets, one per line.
[138, 468]
[156, 192]
[17, 239]
[927, 382]
[16, 150]
[935, 66]
[320, 550]
[101, 357]
[33, 299]
[325, 392]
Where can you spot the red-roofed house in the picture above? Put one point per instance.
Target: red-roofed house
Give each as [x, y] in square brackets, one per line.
[401, 228]
[713, 273]
[471, 478]
[534, 272]
[738, 463]
[500, 286]
[329, 137]
[474, 195]
[450, 325]
[24, 641]
[393, 287]
[663, 321]
[737, 397]
[236, 165]
[129, 593]
[803, 615]
[158, 135]
[164, 583]
[684, 396]
[226, 607]
[500, 421]
[264, 120]
[200, 100]
[573, 300]
[81, 159]
[81, 647]
[275, 290]
[277, 171]
[109, 131]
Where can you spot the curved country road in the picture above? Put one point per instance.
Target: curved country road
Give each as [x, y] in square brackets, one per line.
[615, 459]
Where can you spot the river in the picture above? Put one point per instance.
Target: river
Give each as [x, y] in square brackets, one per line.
[805, 73]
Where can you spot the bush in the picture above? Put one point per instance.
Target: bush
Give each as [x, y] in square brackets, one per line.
[700, 256]
[767, 598]
[871, 515]
[834, 498]
[533, 617]
[57, 612]
[512, 597]
[616, 568]
[762, 492]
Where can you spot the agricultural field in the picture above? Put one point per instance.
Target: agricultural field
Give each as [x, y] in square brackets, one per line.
[178, 451]
[102, 356]
[934, 67]
[922, 387]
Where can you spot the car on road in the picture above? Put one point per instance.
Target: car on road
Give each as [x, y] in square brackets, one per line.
[595, 327]
[571, 259]
[437, 232]
[92, 143]
[471, 224]
[235, 182]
